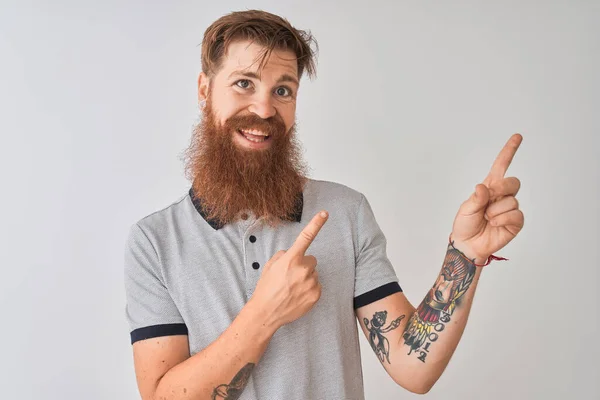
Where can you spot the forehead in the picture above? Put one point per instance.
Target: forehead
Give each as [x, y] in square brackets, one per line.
[245, 56]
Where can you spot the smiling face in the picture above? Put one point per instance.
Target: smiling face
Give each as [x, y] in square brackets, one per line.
[244, 154]
[258, 104]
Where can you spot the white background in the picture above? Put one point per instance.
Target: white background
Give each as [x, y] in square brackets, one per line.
[412, 103]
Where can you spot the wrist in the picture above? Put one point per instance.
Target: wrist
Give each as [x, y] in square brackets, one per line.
[467, 252]
[260, 317]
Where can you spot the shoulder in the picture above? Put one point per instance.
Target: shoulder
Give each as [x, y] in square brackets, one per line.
[329, 192]
[162, 220]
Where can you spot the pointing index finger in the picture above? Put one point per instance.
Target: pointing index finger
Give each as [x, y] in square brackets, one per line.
[505, 157]
[308, 234]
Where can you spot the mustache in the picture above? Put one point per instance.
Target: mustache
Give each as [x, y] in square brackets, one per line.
[272, 126]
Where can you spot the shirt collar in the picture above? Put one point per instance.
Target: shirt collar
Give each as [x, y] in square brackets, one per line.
[296, 216]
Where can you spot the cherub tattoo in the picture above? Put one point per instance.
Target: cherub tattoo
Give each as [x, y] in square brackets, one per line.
[379, 343]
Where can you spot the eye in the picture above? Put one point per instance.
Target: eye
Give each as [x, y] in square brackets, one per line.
[283, 91]
[243, 83]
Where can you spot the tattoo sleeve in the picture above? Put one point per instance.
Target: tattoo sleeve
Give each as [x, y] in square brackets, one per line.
[379, 343]
[234, 389]
[434, 312]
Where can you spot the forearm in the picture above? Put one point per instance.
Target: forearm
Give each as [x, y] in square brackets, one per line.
[225, 365]
[415, 346]
[434, 330]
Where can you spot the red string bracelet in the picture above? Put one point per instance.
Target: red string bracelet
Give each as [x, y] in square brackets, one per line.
[489, 260]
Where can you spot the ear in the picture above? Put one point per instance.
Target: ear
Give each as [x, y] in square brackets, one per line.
[203, 84]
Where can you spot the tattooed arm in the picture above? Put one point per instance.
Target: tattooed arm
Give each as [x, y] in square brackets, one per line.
[287, 289]
[415, 346]
[165, 370]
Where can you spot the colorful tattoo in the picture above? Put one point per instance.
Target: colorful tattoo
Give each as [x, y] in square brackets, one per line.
[234, 390]
[434, 312]
[379, 343]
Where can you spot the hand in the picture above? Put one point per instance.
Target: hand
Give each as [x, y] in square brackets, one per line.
[490, 218]
[288, 286]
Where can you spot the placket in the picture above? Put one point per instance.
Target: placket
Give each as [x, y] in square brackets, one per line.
[254, 251]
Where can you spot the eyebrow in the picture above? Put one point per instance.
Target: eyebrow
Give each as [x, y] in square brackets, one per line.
[282, 78]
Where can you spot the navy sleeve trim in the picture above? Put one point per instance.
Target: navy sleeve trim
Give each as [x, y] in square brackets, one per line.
[158, 330]
[376, 294]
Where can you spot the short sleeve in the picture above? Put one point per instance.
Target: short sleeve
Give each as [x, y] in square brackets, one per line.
[149, 309]
[375, 277]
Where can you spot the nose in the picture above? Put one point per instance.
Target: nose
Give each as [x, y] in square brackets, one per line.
[262, 105]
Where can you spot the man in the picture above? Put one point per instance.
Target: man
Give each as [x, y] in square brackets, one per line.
[249, 285]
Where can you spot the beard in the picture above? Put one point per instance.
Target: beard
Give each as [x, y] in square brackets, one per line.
[230, 180]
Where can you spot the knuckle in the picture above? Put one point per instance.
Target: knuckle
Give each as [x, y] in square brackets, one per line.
[517, 182]
[515, 202]
[513, 184]
[315, 295]
[307, 273]
[295, 259]
[318, 292]
[307, 235]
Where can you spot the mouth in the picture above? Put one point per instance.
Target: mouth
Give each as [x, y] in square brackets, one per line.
[254, 135]
[254, 138]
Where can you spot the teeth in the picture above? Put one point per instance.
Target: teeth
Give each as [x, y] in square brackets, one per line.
[256, 140]
[253, 137]
[254, 132]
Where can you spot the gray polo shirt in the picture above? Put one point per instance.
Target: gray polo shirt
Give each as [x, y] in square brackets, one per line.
[186, 275]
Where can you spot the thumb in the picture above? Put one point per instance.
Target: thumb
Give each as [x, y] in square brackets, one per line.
[478, 200]
[275, 257]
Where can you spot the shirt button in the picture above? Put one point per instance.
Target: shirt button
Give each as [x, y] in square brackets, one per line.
[255, 265]
[252, 239]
